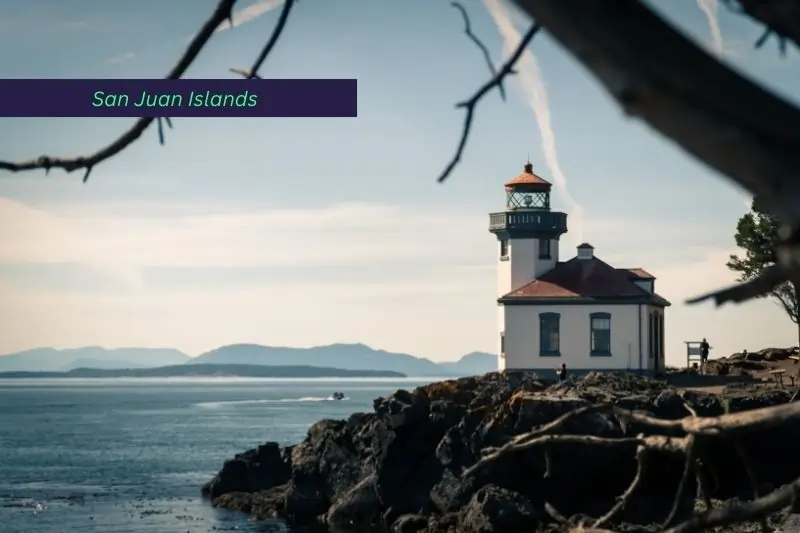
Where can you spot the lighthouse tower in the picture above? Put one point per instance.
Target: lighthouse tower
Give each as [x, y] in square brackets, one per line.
[528, 233]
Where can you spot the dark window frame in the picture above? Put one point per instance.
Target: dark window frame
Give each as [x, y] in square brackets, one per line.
[547, 323]
[603, 351]
[503, 249]
[548, 253]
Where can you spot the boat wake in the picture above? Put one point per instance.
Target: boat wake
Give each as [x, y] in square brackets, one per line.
[218, 405]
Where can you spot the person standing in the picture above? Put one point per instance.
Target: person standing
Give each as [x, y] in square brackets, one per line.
[562, 372]
[704, 349]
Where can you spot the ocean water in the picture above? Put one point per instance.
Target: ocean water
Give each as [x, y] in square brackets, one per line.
[130, 455]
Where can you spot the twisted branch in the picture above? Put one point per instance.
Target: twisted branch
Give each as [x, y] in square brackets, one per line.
[693, 427]
[222, 12]
[470, 105]
[474, 38]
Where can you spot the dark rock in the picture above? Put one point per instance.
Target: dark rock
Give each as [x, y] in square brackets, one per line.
[496, 510]
[358, 507]
[401, 466]
[410, 523]
[262, 504]
[252, 471]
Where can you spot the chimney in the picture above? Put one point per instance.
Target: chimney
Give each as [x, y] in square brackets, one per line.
[586, 251]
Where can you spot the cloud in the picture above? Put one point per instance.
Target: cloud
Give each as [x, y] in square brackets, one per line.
[530, 78]
[250, 13]
[337, 235]
[710, 9]
[129, 240]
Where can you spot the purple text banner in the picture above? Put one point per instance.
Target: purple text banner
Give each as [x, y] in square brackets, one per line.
[179, 98]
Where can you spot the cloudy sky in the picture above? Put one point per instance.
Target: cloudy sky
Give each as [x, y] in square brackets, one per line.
[302, 232]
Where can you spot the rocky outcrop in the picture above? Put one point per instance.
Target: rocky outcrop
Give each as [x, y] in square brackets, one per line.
[748, 364]
[767, 354]
[401, 467]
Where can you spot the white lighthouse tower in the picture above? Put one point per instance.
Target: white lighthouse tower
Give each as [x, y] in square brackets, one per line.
[528, 234]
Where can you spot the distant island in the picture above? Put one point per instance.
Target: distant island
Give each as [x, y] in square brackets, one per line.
[356, 357]
[207, 370]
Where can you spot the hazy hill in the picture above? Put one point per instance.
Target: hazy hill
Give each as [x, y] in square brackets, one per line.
[342, 356]
[349, 356]
[472, 364]
[101, 364]
[51, 359]
[211, 370]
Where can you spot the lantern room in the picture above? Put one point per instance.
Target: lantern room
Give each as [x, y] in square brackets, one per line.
[528, 191]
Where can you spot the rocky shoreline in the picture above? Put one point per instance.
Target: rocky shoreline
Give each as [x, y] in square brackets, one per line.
[401, 468]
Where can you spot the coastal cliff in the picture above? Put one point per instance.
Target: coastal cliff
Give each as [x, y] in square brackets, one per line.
[409, 466]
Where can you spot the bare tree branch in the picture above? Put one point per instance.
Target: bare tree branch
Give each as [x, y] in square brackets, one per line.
[641, 463]
[780, 17]
[730, 425]
[470, 105]
[222, 12]
[273, 40]
[243, 72]
[474, 38]
[763, 284]
[741, 511]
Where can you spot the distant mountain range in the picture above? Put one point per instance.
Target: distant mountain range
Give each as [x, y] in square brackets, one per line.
[210, 370]
[339, 356]
[52, 360]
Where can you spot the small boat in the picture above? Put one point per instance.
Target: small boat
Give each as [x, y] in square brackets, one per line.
[338, 396]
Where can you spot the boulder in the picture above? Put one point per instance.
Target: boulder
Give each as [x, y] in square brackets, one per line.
[252, 471]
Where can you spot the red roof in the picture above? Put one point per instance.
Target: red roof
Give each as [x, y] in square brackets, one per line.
[528, 179]
[637, 273]
[584, 278]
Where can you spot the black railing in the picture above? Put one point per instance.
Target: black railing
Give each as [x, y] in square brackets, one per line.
[529, 221]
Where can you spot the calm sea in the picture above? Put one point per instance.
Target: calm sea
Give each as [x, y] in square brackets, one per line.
[130, 455]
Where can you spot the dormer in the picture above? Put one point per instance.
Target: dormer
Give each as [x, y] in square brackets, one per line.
[642, 278]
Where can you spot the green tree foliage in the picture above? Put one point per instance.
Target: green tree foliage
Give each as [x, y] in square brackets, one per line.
[757, 236]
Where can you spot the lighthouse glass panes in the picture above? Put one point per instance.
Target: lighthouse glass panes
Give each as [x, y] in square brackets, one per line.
[528, 200]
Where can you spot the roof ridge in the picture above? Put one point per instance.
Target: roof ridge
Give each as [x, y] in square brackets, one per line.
[577, 278]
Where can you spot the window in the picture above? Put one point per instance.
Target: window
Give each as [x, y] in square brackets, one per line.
[503, 344]
[504, 249]
[549, 335]
[544, 248]
[601, 334]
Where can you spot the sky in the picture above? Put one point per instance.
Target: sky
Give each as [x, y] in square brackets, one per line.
[302, 232]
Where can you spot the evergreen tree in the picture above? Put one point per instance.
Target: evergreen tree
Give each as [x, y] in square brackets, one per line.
[757, 235]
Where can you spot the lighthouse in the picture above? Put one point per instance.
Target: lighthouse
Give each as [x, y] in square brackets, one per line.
[581, 312]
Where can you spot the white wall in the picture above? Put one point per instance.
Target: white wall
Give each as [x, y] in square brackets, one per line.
[503, 274]
[523, 264]
[522, 337]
